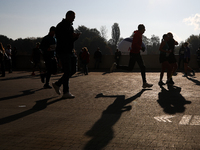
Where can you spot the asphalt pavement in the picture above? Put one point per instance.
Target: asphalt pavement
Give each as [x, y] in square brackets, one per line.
[111, 111]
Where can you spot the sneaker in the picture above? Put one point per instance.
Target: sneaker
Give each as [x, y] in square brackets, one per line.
[113, 67]
[185, 75]
[175, 74]
[145, 85]
[42, 77]
[47, 86]
[193, 72]
[169, 82]
[161, 83]
[56, 88]
[68, 95]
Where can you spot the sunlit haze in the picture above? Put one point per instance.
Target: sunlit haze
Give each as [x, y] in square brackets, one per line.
[26, 18]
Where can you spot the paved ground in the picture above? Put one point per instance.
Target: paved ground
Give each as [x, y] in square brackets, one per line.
[110, 111]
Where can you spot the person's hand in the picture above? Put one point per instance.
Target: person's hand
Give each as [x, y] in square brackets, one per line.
[169, 51]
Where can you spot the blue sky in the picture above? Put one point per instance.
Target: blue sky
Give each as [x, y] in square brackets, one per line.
[28, 18]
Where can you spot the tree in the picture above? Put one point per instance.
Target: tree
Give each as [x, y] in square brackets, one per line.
[92, 39]
[194, 41]
[103, 32]
[115, 33]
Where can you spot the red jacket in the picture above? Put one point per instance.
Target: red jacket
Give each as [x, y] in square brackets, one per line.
[137, 42]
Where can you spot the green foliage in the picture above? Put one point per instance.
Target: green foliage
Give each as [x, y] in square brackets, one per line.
[92, 39]
[24, 46]
[194, 43]
[115, 34]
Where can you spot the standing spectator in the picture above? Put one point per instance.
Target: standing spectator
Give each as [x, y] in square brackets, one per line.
[181, 56]
[65, 44]
[48, 46]
[117, 56]
[85, 60]
[14, 53]
[35, 58]
[74, 61]
[80, 60]
[163, 58]
[187, 60]
[2, 60]
[198, 57]
[97, 57]
[9, 58]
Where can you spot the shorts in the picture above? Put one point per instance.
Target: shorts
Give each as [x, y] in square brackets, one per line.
[172, 58]
[185, 60]
[162, 58]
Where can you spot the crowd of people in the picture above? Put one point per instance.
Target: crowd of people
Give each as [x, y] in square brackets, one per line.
[57, 49]
[7, 58]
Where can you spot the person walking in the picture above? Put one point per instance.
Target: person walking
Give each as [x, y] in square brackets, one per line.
[163, 58]
[2, 60]
[65, 44]
[35, 58]
[171, 58]
[187, 60]
[48, 46]
[181, 57]
[135, 55]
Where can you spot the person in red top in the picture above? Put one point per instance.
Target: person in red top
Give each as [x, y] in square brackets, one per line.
[135, 55]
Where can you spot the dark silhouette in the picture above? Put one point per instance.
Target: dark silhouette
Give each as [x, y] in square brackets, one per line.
[117, 56]
[171, 100]
[9, 58]
[181, 57]
[14, 53]
[109, 117]
[36, 57]
[66, 37]
[135, 55]
[97, 57]
[85, 57]
[2, 60]
[48, 46]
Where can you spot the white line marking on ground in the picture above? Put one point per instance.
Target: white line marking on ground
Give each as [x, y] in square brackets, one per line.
[195, 120]
[185, 120]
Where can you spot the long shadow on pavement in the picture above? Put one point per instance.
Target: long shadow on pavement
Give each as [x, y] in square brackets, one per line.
[24, 93]
[171, 100]
[14, 78]
[40, 105]
[194, 80]
[102, 131]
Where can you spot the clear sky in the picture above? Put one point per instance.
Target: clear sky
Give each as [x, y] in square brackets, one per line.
[33, 18]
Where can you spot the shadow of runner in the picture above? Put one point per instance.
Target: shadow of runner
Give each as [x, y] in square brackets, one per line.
[24, 93]
[171, 100]
[194, 80]
[40, 105]
[102, 132]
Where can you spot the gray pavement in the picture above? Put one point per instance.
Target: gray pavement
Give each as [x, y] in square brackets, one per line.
[111, 111]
